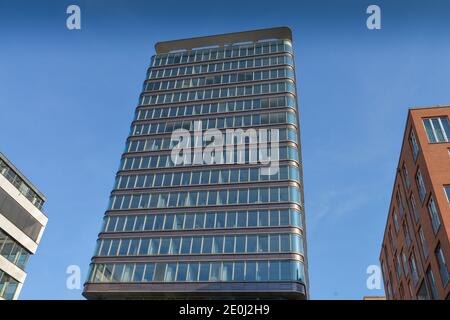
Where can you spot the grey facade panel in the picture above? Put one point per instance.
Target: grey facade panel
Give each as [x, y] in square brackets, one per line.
[20, 217]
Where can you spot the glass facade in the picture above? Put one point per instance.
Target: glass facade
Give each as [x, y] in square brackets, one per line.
[21, 185]
[231, 221]
[8, 286]
[22, 223]
[13, 251]
[240, 271]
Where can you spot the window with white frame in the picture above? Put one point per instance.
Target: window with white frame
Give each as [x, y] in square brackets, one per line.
[414, 144]
[447, 192]
[414, 207]
[421, 185]
[438, 129]
[443, 267]
[423, 243]
[406, 176]
[434, 215]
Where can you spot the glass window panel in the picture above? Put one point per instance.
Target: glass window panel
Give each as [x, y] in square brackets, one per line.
[186, 245]
[207, 244]
[215, 271]
[252, 218]
[120, 223]
[274, 243]
[227, 271]
[160, 270]
[199, 220]
[117, 273]
[124, 244]
[170, 272]
[103, 252]
[284, 217]
[175, 245]
[274, 218]
[252, 243]
[220, 220]
[239, 271]
[149, 221]
[274, 270]
[138, 272]
[242, 219]
[182, 271]
[263, 218]
[243, 196]
[204, 271]
[218, 244]
[134, 244]
[263, 243]
[189, 221]
[262, 271]
[229, 244]
[232, 197]
[210, 220]
[159, 220]
[240, 244]
[114, 247]
[192, 274]
[202, 196]
[143, 248]
[149, 270]
[250, 271]
[154, 246]
[285, 270]
[285, 242]
[178, 223]
[139, 223]
[196, 245]
[231, 219]
[164, 248]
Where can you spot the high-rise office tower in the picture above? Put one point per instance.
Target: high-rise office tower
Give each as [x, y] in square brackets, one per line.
[415, 254]
[179, 225]
[22, 224]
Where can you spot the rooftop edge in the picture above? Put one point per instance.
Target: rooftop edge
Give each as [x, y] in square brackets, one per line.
[223, 39]
[17, 171]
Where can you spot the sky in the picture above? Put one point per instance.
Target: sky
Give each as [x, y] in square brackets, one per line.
[67, 98]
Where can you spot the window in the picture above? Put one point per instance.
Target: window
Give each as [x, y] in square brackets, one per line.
[250, 272]
[391, 239]
[406, 176]
[182, 272]
[399, 204]
[422, 293]
[405, 264]
[414, 145]
[192, 274]
[239, 271]
[432, 283]
[435, 221]
[229, 244]
[395, 220]
[423, 243]
[204, 271]
[406, 233]
[438, 129]
[398, 266]
[420, 185]
[443, 268]
[413, 266]
[401, 292]
[414, 207]
[447, 192]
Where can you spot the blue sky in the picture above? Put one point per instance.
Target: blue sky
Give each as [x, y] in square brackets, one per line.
[67, 99]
